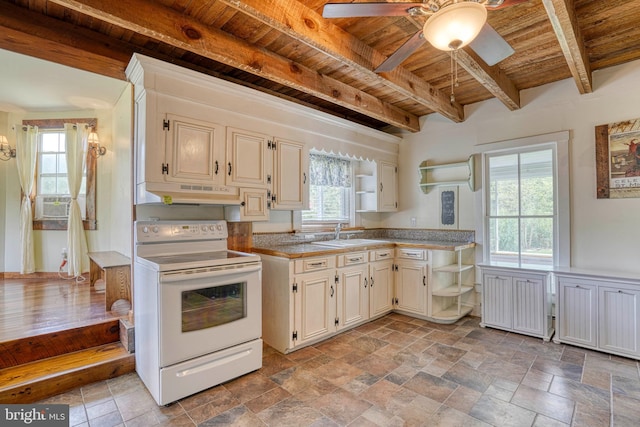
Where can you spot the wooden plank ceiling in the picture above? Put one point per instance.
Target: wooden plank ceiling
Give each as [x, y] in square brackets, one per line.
[286, 48]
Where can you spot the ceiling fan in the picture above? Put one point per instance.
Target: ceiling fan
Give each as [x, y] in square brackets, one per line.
[452, 24]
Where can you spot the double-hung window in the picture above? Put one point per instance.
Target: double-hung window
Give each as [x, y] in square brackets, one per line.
[329, 191]
[526, 204]
[50, 195]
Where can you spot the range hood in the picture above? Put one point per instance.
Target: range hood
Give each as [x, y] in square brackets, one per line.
[180, 193]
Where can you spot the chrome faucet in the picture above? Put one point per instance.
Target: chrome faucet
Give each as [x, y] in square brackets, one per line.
[338, 228]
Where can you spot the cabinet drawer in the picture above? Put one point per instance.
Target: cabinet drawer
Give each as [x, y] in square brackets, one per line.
[314, 264]
[382, 254]
[408, 253]
[352, 259]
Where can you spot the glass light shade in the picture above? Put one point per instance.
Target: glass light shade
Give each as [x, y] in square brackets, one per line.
[93, 138]
[455, 26]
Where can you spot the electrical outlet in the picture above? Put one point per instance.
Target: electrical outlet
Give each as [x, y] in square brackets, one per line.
[64, 253]
[414, 222]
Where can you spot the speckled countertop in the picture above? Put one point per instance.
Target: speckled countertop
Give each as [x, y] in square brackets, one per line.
[303, 250]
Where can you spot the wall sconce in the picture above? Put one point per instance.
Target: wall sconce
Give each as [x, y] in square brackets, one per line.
[6, 152]
[94, 146]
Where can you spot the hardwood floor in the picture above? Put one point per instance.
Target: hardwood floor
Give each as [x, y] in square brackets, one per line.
[33, 307]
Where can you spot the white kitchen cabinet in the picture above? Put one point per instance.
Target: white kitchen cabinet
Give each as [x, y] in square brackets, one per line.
[601, 313]
[179, 152]
[299, 300]
[518, 301]
[376, 186]
[451, 284]
[352, 289]
[411, 276]
[388, 187]
[253, 206]
[381, 283]
[248, 159]
[290, 189]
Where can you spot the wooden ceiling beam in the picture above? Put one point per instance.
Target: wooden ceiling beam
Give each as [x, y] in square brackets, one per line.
[40, 36]
[292, 17]
[565, 24]
[492, 78]
[173, 28]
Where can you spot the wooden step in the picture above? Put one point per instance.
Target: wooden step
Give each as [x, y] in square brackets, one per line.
[26, 350]
[34, 381]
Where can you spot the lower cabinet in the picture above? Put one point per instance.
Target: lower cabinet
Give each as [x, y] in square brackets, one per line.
[381, 282]
[353, 289]
[411, 280]
[599, 313]
[517, 300]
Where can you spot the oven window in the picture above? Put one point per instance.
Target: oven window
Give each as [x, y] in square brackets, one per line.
[217, 305]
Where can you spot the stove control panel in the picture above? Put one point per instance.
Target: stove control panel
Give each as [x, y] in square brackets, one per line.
[168, 231]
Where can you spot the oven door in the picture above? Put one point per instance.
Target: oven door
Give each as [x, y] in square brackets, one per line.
[208, 309]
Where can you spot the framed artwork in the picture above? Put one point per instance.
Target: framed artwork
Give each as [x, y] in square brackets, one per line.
[448, 203]
[618, 160]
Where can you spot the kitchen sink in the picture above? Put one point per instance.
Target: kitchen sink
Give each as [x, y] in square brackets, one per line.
[345, 243]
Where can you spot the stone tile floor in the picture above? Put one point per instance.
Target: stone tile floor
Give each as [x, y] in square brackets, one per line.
[394, 371]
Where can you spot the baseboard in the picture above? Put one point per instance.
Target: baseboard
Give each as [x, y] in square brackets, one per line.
[38, 275]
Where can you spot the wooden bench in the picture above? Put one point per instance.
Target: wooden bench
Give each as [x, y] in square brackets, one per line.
[115, 269]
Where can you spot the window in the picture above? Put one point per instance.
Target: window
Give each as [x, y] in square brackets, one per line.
[52, 189]
[329, 191]
[50, 197]
[526, 206]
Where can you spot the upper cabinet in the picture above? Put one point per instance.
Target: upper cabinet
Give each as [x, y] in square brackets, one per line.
[290, 190]
[248, 158]
[376, 185]
[194, 151]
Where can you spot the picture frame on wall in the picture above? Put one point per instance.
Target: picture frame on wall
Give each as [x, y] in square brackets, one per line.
[618, 160]
[448, 207]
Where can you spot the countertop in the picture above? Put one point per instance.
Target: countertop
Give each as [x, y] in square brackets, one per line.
[304, 250]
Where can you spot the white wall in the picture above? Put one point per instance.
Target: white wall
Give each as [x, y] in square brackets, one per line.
[4, 171]
[604, 233]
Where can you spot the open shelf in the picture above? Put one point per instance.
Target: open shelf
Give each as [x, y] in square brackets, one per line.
[425, 168]
[453, 268]
[452, 314]
[452, 291]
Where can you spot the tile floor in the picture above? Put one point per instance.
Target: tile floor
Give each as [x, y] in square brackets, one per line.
[394, 371]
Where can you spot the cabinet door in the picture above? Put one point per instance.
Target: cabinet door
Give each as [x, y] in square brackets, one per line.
[411, 287]
[578, 311]
[497, 301]
[315, 305]
[353, 295]
[290, 175]
[380, 287]
[248, 159]
[195, 151]
[528, 310]
[619, 326]
[253, 205]
[388, 187]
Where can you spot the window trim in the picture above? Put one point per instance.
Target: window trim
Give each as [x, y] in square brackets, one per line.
[559, 142]
[89, 223]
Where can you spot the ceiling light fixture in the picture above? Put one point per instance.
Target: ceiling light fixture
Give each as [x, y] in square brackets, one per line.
[453, 27]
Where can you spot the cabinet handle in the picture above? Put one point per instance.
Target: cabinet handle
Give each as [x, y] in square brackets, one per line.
[217, 167]
[331, 291]
[381, 187]
[316, 264]
[383, 255]
[355, 259]
[229, 168]
[304, 177]
[365, 282]
[371, 282]
[424, 280]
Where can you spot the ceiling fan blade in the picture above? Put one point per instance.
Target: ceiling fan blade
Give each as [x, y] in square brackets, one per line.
[402, 53]
[499, 4]
[351, 10]
[490, 46]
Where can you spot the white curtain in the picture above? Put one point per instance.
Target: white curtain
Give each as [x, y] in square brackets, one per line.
[76, 137]
[26, 152]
